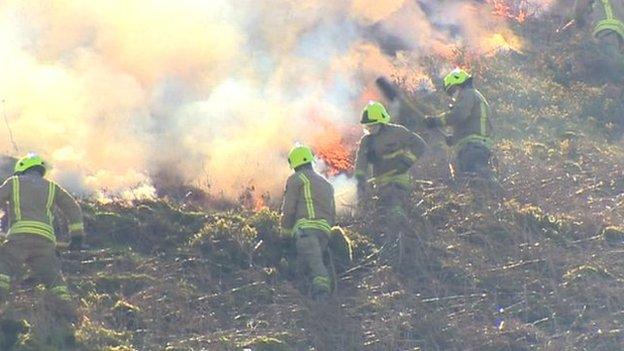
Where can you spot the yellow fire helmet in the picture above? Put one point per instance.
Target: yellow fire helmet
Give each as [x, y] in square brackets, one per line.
[457, 77]
[29, 161]
[375, 113]
[299, 156]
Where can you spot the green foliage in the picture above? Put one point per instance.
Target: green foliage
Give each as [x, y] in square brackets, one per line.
[144, 226]
[95, 337]
[274, 245]
[229, 241]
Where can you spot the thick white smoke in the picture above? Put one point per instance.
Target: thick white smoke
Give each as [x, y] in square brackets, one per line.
[213, 93]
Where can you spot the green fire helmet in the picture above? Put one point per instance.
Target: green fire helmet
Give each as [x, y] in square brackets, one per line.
[375, 113]
[457, 77]
[299, 156]
[29, 161]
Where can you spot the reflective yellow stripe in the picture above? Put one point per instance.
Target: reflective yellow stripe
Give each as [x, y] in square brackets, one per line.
[393, 154]
[322, 282]
[484, 113]
[50, 202]
[307, 195]
[610, 22]
[75, 227]
[16, 199]
[608, 9]
[319, 224]
[401, 152]
[392, 178]
[33, 227]
[474, 138]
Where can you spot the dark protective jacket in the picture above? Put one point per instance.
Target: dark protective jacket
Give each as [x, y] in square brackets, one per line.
[308, 201]
[32, 200]
[605, 16]
[469, 118]
[388, 155]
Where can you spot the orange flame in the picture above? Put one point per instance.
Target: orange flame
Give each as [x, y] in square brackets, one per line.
[518, 11]
[259, 204]
[335, 147]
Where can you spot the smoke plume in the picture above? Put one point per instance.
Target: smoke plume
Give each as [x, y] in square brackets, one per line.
[213, 93]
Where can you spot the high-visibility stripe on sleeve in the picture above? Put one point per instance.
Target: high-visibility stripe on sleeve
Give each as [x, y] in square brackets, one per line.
[307, 194]
[16, 199]
[405, 153]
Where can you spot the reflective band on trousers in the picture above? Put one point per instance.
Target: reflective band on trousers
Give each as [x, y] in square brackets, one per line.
[475, 138]
[76, 227]
[609, 23]
[392, 178]
[322, 282]
[319, 224]
[33, 227]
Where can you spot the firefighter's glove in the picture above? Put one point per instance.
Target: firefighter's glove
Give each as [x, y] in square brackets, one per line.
[433, 122]
[450, 140]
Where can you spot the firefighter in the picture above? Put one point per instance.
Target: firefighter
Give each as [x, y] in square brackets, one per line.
[384, 157]
[31, 239]
[308, 213]
[469, 119]
[604, 19]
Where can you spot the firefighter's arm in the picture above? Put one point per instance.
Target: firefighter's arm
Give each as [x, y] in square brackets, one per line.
[361, 159]
[332, 209]
[417, 145]
[6, 189]
[70, 208]
[362, 164]
[460, 111]
[581, 8]
[289, 204]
